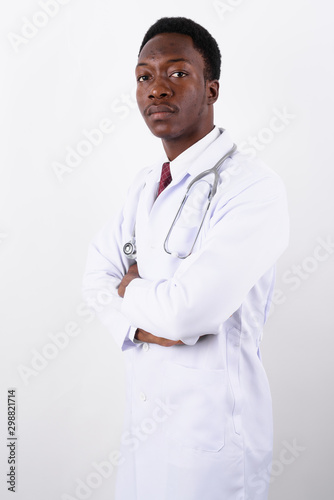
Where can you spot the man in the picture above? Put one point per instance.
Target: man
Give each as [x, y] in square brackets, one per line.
[198, 419]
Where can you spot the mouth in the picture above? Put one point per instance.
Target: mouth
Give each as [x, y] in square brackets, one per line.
[159, 112]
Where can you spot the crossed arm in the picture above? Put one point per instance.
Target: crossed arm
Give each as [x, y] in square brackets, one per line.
[142, 335]
[246, 236]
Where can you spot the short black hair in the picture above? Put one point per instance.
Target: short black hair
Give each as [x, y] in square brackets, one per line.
[203, 41]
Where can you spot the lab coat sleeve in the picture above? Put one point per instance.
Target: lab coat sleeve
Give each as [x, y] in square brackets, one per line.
[247, 234]
[106, 265]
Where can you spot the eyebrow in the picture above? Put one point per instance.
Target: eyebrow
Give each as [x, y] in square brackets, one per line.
[179, 59]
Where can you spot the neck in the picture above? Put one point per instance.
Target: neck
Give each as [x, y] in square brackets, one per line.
[175, 146]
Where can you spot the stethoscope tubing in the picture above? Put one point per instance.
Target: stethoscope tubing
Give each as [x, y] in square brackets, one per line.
[129, 248]
[215, 171]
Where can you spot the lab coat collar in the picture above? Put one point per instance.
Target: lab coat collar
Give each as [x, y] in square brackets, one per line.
[185, 160]
[196, 159]
[207, 158]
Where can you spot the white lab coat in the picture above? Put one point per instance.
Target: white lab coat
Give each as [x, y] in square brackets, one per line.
[198, 419]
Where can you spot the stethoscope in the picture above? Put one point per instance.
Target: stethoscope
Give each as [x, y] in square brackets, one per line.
[130, 249]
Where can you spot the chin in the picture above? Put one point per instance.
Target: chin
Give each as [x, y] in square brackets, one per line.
[165, 132]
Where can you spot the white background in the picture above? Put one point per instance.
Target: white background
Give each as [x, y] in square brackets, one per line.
[74, 72]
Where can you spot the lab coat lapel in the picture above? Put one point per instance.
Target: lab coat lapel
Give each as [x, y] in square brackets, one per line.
[146, 202]
[148, 193]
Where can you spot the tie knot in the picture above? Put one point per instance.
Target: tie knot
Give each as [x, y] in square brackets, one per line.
[165, 178]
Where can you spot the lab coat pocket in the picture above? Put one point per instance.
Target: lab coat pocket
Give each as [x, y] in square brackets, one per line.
[198, 399]
[187, 225]
[181, 240]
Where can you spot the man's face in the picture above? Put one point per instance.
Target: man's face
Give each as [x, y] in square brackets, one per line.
[172, 94]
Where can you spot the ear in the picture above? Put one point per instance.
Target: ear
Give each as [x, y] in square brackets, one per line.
[212, 89]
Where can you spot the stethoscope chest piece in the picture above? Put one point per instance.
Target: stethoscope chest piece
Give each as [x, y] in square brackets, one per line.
[129, 249]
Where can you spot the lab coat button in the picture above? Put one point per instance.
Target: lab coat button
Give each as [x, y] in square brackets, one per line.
[142, 396]
[146, 347]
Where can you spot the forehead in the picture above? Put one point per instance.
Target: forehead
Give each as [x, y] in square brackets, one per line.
[167, 46]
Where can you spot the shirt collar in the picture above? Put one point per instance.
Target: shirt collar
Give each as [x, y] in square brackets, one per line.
[185, 159]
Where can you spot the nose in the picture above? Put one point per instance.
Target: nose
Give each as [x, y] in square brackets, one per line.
[160, 89]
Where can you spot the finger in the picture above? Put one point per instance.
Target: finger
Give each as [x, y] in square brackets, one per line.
[121, 290]
[133, 269]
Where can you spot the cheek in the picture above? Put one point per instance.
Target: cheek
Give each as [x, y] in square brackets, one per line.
[140, 102]
[193, 102]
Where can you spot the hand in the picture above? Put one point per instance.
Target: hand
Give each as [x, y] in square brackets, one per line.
[129, 276]
[142, 335]
[152, 339]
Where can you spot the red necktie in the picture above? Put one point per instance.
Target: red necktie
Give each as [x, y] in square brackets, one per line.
[165, 178]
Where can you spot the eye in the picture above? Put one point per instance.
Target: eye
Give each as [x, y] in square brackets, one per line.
[179, 74]
[142, 78]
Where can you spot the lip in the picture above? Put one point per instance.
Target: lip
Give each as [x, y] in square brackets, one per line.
[159, 111]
